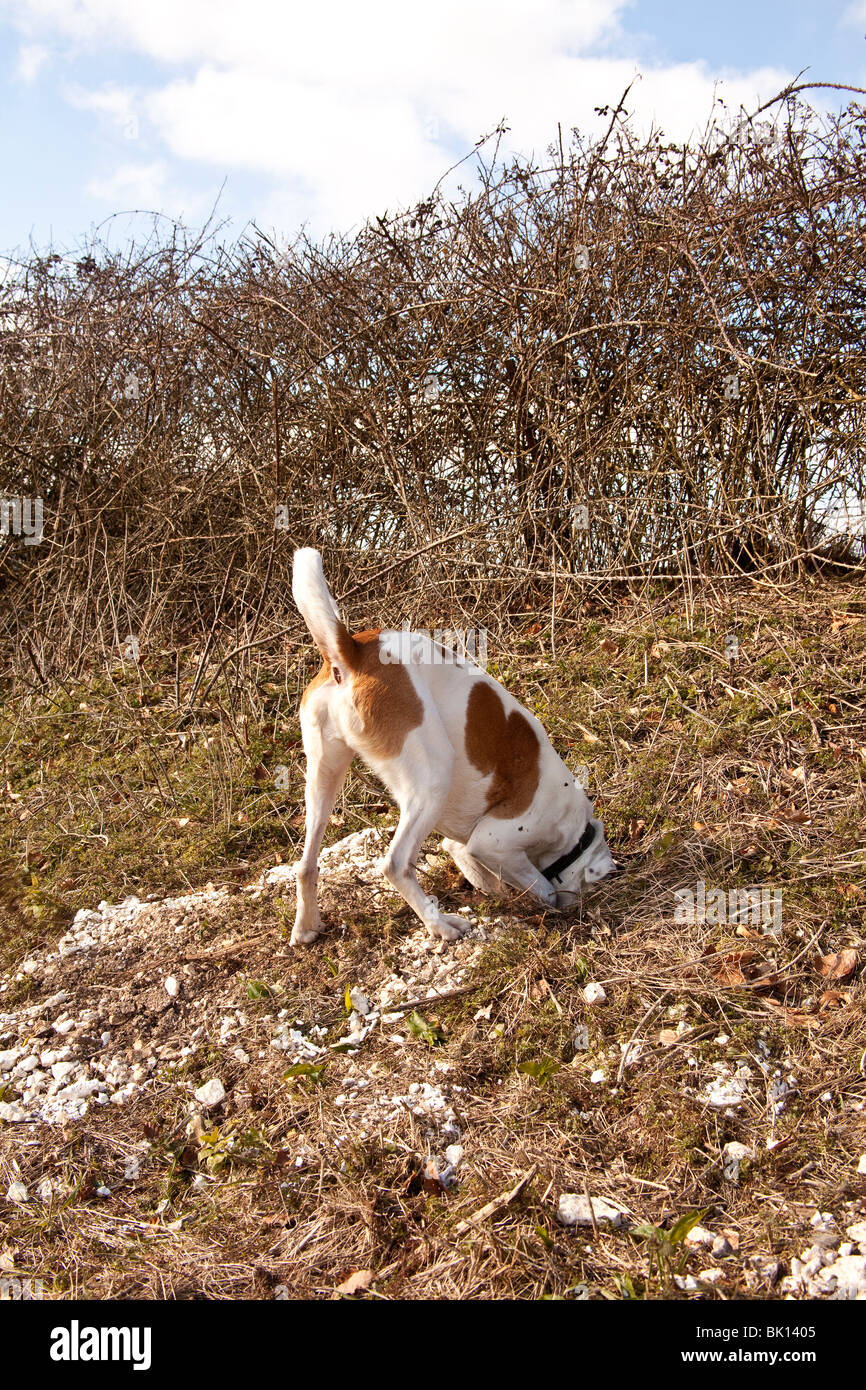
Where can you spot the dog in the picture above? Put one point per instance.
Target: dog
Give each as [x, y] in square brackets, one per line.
[458, 754]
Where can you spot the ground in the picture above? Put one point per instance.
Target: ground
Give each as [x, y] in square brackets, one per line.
[191, 1109]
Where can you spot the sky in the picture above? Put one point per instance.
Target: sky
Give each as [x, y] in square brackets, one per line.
[320, 115]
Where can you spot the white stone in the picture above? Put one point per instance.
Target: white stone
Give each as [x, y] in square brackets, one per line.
[857, 1232]
[688, 1283]
[80, 1090]
[732, 1156]
[454, 1154]
[597, 1077]
[171, 986]
[700, 1237]
[359, 1001]
[724, 1095]
[577, 1210]
[823, 1221]
[17, 1192]
[211, 1093]
[594, 994]
[844, 1279]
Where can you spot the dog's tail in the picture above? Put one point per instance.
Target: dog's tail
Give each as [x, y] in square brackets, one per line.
[318, 609]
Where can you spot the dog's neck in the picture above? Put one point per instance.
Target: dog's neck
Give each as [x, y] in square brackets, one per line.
[558, 867]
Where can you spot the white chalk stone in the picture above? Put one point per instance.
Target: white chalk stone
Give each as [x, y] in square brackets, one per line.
[211, 1093]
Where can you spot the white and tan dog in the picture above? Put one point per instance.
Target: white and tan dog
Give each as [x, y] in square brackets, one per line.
[458, 754]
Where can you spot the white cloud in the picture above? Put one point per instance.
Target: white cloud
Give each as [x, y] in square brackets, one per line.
[855, 13]
[343, 109]
[32, 57]
[117, 104]
[132, 186]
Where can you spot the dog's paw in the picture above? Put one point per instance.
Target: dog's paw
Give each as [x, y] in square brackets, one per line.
[304, 936]
[448, 927]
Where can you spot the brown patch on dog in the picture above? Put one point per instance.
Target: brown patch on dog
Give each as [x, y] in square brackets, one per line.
[385, 698]
[320, 678]
[383, 694]
[506, 747]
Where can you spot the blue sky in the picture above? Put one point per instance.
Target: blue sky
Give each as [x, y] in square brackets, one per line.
[323, 114]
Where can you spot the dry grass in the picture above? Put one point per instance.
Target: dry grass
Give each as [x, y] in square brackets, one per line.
[738, 774]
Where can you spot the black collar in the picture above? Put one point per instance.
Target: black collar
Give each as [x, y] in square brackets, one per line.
[556, 869]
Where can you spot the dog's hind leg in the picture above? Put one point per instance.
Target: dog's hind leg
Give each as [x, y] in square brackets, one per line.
[327, 764]
[472, 869]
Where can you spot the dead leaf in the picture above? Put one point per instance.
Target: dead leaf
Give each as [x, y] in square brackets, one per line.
[849, 890]
[659, 648]
[729, 969]
[668, 1036]
[838, 965]
[745, 968]
[610, 647]
[794, 817]
[841, 620]
[835, 998]
[357, 1282]
[790, 1018]
[743, 785]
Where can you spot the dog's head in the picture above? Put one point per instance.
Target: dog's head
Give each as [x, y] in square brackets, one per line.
[593, 864]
